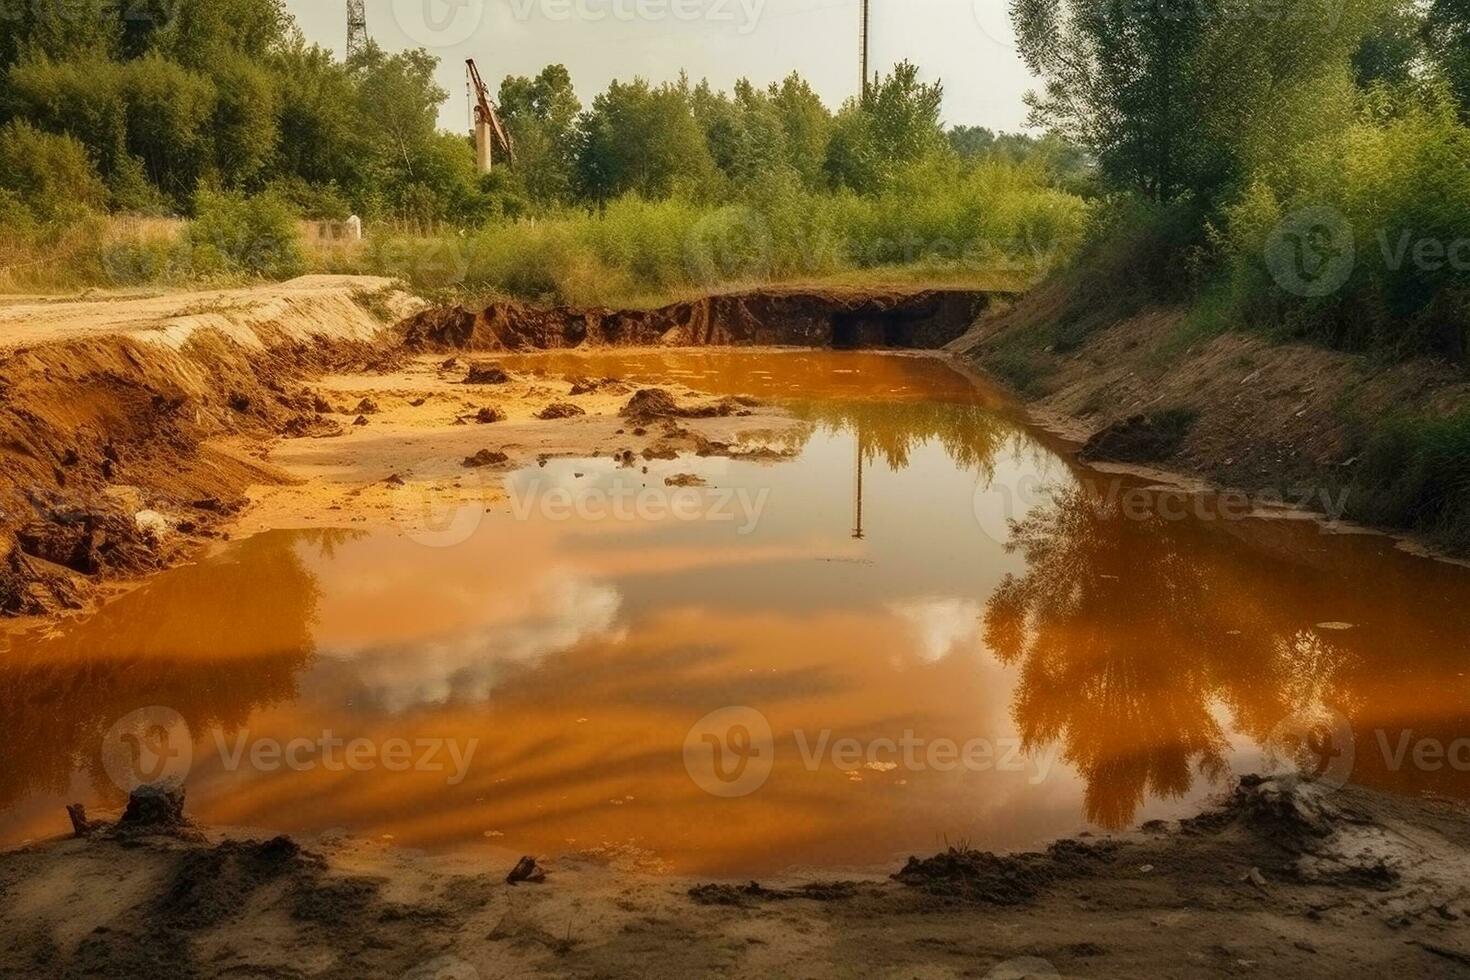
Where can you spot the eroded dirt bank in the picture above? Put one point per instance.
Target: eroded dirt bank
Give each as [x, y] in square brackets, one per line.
[1284, 422]
[1276, 879]
[130, 428]
[768, 317]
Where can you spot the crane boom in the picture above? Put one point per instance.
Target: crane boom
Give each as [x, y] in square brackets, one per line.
[487, 118]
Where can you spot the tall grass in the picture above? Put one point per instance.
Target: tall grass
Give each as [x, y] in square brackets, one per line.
[998, 224]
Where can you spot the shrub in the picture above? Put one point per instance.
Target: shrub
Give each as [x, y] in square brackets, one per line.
[49, 172]
[237, 235]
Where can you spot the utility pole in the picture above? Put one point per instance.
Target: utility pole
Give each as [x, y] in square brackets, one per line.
[863, 46]
[357, 35]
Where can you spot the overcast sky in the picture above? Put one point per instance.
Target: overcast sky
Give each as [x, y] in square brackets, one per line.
[966, 43]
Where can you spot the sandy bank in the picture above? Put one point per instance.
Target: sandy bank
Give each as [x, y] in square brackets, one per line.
[1275, 879]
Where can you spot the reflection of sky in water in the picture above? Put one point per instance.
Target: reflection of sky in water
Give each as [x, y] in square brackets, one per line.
[1131, 656]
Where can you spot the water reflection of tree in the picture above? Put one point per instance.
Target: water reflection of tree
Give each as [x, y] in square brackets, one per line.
[971, 434]
[214, 642]
[1135, 638]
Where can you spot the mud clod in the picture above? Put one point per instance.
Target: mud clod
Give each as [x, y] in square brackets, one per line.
[486, 457]
[486, 416]
[487, 374]
[560, 410]
[526, 869]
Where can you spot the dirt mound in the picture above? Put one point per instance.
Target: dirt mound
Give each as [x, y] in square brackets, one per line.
[791, 317]
[754, 893]
[486, 457]
[979, 876]
[560, 410]
[487, 374]
[652, 404]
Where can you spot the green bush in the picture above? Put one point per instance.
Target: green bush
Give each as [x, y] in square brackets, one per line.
[1415, 473]
[50, 173]
[1391, 197]
[233, 235]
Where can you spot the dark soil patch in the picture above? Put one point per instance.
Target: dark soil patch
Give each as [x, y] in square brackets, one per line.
[1147, 438]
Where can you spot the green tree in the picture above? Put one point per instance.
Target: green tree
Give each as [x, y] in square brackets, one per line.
[541, 114]
[50, 173]
[641, 139]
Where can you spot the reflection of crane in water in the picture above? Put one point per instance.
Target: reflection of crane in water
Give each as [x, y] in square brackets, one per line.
[857, 469]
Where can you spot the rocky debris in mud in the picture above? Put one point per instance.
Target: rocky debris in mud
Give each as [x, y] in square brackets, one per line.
[449, 364]
[320, 405]
[311, 427]
[486, 457]
[154, 807]
[968, 875]
[684, 480]
[526, 869]
[394, 480]
[588, 386]
[360, 420]
[655, 404]
[486, 374]
[754, 893]
[625, 458]
[91, 537]
[366, 407]
[560, 410]
[486, 416]
[1147, 438]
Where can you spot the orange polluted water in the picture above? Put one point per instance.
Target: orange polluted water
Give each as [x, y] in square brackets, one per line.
[836, 660]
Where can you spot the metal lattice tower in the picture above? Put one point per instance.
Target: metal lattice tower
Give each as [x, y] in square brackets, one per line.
[863, 47]
[357, 34]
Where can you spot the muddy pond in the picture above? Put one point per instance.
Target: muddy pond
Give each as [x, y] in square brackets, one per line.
[927, 625]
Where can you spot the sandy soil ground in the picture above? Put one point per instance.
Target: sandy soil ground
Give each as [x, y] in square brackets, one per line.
[1278, 879]
[400, 444]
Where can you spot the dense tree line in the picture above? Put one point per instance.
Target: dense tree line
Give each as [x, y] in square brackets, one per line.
[140, 107]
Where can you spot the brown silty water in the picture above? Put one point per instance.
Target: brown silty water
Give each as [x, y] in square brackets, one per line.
[928, 624]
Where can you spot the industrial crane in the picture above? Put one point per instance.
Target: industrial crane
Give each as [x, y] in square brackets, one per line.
[488, 128]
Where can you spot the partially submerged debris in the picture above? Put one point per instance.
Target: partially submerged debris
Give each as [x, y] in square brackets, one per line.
[526, 869]
[586, 386]
[486, 374]
[367, 407]
[486, 416]
[684, 480]
[560, 410]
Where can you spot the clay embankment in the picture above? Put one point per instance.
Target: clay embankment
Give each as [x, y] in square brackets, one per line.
[116, 418]
[771, 317]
